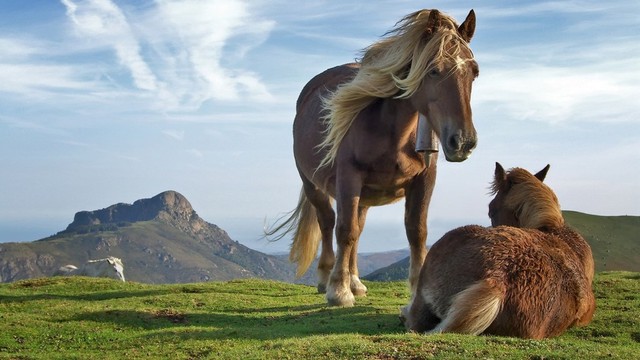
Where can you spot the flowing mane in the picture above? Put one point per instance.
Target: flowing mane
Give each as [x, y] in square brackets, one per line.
[392, 67]
[535, 204]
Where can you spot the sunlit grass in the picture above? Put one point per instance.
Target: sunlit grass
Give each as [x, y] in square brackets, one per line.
[255, 319]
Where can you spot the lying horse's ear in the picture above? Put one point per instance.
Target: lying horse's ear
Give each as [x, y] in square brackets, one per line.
[468, 27]
[434, 21]
[500, 176]
[542, 173]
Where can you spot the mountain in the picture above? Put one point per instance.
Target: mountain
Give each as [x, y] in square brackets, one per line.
[160, 240]
[614, 241]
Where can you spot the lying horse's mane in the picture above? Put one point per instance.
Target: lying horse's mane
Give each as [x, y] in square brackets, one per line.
[535, 204]
[392, 67]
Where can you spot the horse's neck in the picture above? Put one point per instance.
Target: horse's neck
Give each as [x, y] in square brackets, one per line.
[396, 118]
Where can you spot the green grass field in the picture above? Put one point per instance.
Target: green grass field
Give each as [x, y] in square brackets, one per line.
[85, 318]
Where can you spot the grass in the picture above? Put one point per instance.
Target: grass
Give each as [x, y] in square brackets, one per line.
[87, 318]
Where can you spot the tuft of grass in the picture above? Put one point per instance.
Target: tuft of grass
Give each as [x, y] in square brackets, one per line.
[65, 318]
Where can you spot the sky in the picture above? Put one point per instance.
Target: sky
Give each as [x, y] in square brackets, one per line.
[110, 101]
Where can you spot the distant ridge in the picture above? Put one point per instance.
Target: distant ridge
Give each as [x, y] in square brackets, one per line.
[160, 240]
[166, 205]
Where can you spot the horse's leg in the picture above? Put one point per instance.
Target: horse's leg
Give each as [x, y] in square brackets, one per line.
[347, 232]
[418, 196]
[357, 287]
[326, 220]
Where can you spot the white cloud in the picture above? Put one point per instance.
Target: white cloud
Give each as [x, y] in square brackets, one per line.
[559, 94]
[195, 152]
[174, 134]
[182, 52]
[102, 19]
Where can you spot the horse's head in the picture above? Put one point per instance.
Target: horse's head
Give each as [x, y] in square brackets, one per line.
[522, 200]
[446, 68]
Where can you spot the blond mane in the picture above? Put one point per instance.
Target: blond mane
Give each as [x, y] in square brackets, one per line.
[392, 67]
[535, 204]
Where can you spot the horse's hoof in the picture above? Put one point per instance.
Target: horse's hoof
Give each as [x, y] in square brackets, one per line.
[359, 291]
[345, 299]
[357, 287]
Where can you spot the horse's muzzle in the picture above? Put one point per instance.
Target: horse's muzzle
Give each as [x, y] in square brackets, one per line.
[458, 148]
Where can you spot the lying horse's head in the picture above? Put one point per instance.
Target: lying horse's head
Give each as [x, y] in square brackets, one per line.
[522, 200]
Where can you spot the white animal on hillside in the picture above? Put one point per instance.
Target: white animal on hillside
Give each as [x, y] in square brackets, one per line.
[110, 267]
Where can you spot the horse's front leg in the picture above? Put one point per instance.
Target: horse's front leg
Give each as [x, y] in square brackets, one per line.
[357, 287]
[347, 231]
[418, 196]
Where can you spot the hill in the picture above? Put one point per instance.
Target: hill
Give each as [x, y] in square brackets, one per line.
[160, 240]
[89, 318]
[614, 241]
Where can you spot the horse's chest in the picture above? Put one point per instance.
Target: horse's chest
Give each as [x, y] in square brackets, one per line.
[386, 182]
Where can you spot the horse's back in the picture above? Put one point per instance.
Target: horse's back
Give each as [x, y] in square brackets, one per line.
[309, 125]
[324, 83]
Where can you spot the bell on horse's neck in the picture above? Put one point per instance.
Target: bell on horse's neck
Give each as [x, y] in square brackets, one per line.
[426, 139]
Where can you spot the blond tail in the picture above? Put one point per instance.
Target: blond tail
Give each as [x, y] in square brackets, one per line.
[303, 219]
[473, 309]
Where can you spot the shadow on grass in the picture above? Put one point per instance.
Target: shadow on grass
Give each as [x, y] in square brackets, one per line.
[89, 296]
[260, 324]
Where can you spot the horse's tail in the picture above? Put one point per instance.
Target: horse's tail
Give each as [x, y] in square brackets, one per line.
[473, 309]
[304, 221]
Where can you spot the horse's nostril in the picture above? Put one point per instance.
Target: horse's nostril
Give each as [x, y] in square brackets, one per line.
[469, 145]
[454, 142]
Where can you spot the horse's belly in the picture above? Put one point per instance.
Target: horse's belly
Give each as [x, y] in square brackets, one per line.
[377, 197]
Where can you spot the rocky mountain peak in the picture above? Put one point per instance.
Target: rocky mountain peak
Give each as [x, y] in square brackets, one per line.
[169, 206]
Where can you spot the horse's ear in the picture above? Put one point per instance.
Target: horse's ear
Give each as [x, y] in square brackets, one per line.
[434, 21]
[542, 173]
[468, 27]
[500, 176]
[500, 173]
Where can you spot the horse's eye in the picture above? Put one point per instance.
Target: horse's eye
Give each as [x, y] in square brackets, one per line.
[433, 73]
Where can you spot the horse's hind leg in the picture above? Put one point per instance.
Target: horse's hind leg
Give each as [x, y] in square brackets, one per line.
[326, 220]
[357, 287]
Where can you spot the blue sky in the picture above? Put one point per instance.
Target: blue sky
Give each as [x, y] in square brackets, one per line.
[106, 101]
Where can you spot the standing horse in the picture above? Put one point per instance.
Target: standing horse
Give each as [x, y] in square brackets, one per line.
[354, 140]
[110, 267]
[528, 276]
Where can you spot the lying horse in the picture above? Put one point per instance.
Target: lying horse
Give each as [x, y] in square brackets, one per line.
[110, 267]
[527, 276]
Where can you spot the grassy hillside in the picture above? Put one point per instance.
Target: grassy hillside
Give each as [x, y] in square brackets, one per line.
[614, 240]
[256, 319]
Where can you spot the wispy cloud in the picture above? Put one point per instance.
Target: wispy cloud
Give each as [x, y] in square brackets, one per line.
[178, 51]
[174, 134]
[563, 76]
[103, 20]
